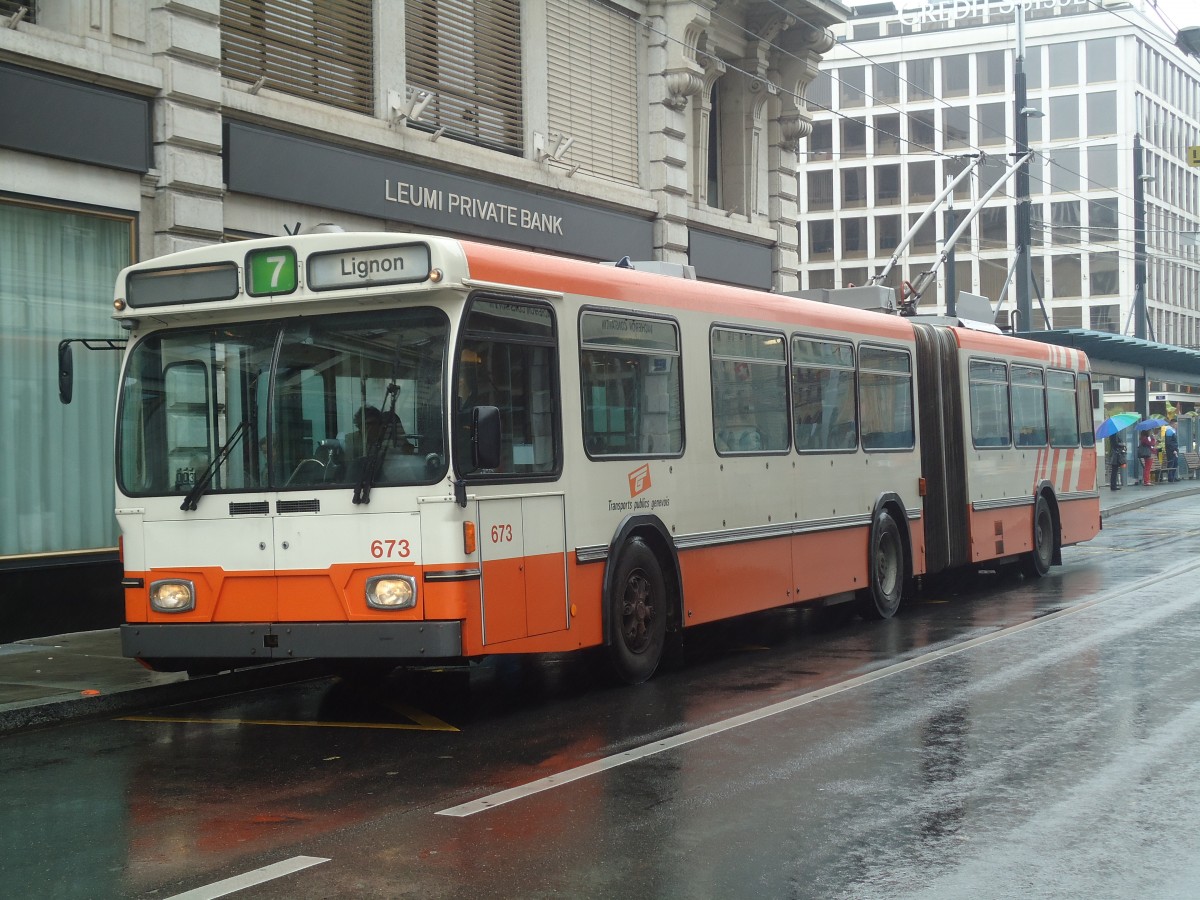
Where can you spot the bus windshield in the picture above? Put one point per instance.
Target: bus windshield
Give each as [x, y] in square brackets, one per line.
[295, 404]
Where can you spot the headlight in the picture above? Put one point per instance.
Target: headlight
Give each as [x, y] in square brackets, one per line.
[172, 595]
[392, 592]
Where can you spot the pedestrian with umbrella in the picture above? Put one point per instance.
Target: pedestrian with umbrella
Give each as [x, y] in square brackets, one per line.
[1111, 428]
[1146, 455]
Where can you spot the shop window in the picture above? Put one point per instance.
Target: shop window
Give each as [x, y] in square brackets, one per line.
[57, 271]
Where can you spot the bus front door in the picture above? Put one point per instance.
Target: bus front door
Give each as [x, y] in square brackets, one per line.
[522, 550]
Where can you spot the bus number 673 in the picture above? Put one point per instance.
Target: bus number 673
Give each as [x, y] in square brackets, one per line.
[502, 534]
[388, 549]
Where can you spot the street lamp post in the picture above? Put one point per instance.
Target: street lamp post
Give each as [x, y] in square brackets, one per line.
[1141, 395]
[1024, 276]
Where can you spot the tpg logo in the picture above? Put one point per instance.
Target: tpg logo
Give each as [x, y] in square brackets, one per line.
[639, 480]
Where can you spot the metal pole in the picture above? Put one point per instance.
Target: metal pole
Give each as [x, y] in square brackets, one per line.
[1141, 394]
[1024, 276]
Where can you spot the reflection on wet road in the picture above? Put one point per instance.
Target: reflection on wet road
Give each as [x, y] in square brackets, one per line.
[1002, 738]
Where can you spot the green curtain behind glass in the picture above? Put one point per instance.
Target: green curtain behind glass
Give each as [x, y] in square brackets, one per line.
[57, 271]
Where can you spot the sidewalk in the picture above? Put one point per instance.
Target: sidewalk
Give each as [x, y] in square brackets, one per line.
[50, 680]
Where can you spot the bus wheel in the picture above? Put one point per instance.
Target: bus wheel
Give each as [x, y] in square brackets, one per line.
[637, 614]
[882, 598]
[1036, 563]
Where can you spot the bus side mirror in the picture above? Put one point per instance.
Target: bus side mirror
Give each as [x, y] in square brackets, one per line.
[66, 372]
[485, 437]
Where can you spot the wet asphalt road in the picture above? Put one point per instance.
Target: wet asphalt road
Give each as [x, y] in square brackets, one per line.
[1001, 738]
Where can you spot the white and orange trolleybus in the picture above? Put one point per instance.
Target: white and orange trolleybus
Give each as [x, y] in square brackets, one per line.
[395, 447]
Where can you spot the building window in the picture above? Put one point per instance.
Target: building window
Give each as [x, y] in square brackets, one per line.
[1102, 166]
[925, 240]
[12, 7]
[1033, 67]
[887, 82]
[956, 122]
[1064, 65]
[1101, 113]
[956, 76]
[820, 190]
[321, 52]
[1064, 223]
[1064, 117]
[1105, 274]
[852, 87]
[854, 238]
[921, 181]
[467, 53]
[57, 270]
[887, 234]
[820, 142]
[991, 68]
[820, 239]
[1106, 318]
[1068, 317]
[593, 86]
[991, 124]
[1068, 279]
[854, 138]
[993, 228]
[887, 135]
[854, 188]
[1102, 220]
[819, 94]
[1064, 170]
[887, 185]
[921, 129]
[920, 79]
[1101, 60]
[820, 278]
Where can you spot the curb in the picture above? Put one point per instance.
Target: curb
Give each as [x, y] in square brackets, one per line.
[1147, 498]
[48, 712]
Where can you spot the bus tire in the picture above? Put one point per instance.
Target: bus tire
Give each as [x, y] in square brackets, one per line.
[637, 613]
[881, 600]
[1037, 562]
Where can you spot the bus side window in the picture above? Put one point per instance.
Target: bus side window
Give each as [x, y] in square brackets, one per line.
[632, 401]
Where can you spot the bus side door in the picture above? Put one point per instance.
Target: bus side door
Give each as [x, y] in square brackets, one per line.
[522, 549]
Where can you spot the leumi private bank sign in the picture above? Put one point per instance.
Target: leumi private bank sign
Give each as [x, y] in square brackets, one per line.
[928, 12]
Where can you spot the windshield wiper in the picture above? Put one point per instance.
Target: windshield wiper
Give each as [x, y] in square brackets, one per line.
[374, 454]
[205, 478]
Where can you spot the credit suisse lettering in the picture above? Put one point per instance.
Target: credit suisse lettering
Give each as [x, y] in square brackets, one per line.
[470, 207]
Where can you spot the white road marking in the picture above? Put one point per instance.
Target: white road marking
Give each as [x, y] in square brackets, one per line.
[611, 762]
[250, 879]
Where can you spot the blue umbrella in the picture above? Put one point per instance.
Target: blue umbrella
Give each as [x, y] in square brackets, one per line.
[1148, 424]
[1115, 423]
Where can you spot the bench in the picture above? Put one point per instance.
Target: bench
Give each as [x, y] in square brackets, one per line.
[1193, 462]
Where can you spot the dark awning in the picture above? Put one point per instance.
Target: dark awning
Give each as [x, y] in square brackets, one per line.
[1127, 357]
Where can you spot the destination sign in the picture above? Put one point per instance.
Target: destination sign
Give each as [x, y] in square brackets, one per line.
[186, 284]
[368, 267]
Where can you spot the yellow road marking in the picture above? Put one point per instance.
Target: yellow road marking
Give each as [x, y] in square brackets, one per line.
[420, 721]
